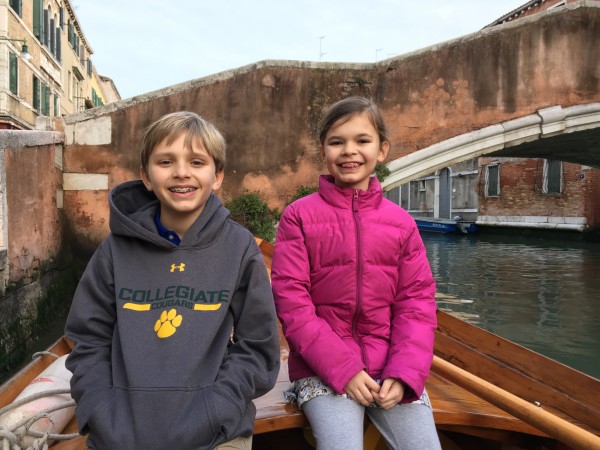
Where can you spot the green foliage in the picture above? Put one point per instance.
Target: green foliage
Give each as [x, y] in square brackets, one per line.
[303, 191]
[381, 171]
[251, 212]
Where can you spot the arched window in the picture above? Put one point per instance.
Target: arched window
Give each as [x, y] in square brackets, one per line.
[38, 20]
[552, 177]
[52, 34]
[46, 34]
[56, 31]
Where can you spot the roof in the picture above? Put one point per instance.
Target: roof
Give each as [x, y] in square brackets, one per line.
[515, 13]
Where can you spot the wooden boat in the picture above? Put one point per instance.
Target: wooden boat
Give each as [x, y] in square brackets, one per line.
[486, 392]
[451, 226]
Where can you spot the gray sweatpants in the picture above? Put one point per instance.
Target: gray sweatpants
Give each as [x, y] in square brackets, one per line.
[337, 423]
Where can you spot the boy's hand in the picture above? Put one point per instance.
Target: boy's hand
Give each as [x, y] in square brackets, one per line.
[390, 393]
[362, 388]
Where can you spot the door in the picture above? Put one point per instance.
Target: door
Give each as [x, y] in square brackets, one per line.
[445, 192]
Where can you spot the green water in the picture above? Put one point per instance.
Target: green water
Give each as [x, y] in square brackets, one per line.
[539, 290]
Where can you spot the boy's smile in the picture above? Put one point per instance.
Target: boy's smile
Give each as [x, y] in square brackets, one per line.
[182, 179]
[351, 151]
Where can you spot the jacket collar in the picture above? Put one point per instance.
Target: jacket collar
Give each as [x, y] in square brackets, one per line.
[344, 197]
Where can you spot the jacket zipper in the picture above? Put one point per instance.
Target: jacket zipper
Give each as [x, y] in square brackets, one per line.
[355, 199]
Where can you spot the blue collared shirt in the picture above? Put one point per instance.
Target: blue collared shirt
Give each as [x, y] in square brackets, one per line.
[162, 231]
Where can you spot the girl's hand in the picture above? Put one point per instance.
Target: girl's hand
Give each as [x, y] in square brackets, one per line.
[390, 394]
[362, 388]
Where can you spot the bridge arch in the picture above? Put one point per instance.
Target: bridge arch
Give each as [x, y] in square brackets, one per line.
[539, 135]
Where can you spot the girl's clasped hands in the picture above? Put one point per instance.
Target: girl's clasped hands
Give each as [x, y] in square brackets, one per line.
[365, 390]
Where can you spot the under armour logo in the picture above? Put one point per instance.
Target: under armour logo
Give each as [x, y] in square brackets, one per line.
[181, 267]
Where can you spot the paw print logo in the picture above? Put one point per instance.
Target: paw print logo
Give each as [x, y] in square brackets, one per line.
[167, 324]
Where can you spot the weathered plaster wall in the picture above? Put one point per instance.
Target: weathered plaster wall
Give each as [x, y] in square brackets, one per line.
[496, 75]
[34, 233]
[269, 111]
[36, 277]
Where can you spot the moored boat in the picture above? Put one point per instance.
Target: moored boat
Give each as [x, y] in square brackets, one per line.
[438, 225]
[484, 391]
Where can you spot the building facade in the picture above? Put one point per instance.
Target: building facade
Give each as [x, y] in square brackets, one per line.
[446, 193]
[46, 64]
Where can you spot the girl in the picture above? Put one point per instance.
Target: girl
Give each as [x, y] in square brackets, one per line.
[355, 295]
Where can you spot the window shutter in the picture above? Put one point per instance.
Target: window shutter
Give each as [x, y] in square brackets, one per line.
[45, 30]
[45, 100]
[14, 72]
[38, 19]
[492, 180]
[36, 94]
[52, 37]
[58, 53]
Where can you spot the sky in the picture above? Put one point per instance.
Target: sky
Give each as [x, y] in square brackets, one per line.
[146, 45]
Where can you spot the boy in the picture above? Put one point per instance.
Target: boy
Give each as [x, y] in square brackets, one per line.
[156, 364]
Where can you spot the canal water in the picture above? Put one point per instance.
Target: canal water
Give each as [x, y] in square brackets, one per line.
[539, 290]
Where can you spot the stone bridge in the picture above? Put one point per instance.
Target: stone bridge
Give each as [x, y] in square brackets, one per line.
[530, 87]
[569, 134]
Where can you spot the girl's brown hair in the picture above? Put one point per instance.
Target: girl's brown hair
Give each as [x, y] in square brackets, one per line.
[345, 109]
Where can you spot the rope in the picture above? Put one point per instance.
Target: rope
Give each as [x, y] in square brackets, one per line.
[38, 354]
[11, 438]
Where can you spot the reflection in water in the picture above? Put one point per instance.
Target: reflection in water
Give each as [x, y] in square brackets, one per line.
[540, 293]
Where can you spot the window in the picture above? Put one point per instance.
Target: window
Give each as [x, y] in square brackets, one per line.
[52, 37]
[56, 105]
[62, 18]
[13, 69]
[36, 93]
[38, 20]
[552, 177]
[46, 35]
[45, 100]
[492, 180]
[97, 101]
[16, 6]
[58, 47]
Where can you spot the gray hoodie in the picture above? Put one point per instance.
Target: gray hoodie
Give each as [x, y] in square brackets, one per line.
[155, 363]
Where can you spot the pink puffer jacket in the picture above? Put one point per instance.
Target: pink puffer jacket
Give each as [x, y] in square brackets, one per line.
[353, 288]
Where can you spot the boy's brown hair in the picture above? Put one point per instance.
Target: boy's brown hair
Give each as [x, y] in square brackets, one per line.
[171, 126]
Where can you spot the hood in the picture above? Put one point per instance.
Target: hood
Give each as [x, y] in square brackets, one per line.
[132, 212]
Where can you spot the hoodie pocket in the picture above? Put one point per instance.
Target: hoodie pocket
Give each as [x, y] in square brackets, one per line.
[175, 419]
